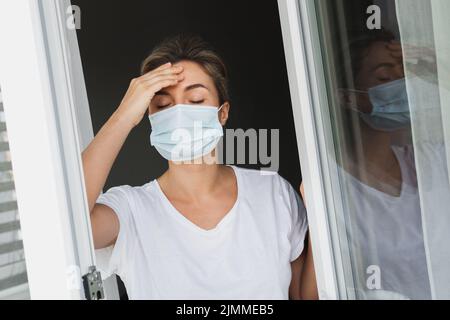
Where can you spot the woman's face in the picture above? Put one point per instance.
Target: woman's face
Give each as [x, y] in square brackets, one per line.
[380, 66]
[196, 88]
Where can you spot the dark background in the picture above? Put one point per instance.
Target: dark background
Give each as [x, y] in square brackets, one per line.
[116, 36]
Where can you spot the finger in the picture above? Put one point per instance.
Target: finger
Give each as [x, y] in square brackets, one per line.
[174, 70]
[393, 49]
[395, 42]
[419, 52]
[165, 72]
[397, 55]
[160, 68]
[163, 77]
[412, 49]
[394, 46]
[164, 66]
[158, 86]
[168, 71]
[419, 55]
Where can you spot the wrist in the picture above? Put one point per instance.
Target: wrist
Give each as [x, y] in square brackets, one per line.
[123, 120]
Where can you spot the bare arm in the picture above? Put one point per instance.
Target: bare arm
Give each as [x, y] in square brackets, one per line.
[296, 267]
[98, 160]
[99, 156]
[308, 284]
[303, 284]
[308, 289]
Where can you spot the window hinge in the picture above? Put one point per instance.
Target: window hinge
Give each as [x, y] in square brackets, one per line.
[93, 285]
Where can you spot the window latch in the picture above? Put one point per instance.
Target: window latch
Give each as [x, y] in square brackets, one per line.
[93, 285]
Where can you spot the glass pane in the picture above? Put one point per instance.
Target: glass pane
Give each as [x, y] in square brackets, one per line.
[13, 274]
[386, 70]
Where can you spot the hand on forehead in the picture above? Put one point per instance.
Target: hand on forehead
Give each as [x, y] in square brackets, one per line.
[196, 88]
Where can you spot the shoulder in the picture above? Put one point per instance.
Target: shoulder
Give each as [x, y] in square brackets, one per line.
[278, 197]
[132, 191]
[263, 183]
[126, 197]
[123, 191]
[262, 178]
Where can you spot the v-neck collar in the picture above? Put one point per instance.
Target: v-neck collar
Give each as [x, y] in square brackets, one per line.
[188, 223]
[405, 188]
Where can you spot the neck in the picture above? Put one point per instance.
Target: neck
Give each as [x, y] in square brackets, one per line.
[376, 145]
[375, 163]
[193, 180]
[373, 149]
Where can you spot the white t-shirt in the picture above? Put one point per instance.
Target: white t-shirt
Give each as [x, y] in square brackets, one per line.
[386, 232]
[160, 254]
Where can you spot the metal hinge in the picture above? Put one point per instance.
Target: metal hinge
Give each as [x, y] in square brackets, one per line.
[93, 285]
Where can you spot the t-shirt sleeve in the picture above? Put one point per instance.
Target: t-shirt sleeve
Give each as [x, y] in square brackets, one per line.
[298, 220]
[110, 260]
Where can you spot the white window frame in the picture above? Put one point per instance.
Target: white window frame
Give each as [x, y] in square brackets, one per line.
[48, 122]
[315, 143]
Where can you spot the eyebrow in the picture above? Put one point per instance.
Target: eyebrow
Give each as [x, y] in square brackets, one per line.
[195, 86]
[188, 88]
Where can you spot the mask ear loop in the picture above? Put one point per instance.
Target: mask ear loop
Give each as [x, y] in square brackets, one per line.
[219, 110]
[359, 92]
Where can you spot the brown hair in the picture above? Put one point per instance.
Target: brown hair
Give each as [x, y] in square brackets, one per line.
[352, 56]
[190, 48]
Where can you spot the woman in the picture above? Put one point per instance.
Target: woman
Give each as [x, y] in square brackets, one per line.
[202, 230]
[380, 173]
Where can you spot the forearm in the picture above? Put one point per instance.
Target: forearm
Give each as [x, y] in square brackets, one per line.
[99, 156]
[308, 284]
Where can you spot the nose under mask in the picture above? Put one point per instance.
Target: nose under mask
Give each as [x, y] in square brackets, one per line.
[186, 132]
[390, 104]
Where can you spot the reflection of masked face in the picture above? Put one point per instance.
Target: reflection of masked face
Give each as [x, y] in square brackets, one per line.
[390, 107]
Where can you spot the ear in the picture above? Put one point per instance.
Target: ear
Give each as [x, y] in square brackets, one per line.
[224, 113]
[347, 99]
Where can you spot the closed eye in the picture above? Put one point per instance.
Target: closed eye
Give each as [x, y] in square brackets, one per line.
[163, 107]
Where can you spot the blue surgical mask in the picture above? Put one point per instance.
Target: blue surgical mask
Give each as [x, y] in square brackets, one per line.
[186, 132]
[390, 107]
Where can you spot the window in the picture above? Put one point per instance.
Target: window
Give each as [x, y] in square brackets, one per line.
[13, 275]
[377, 95]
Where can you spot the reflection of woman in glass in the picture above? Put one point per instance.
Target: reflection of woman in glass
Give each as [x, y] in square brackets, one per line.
[201, 230]
[380, 174]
